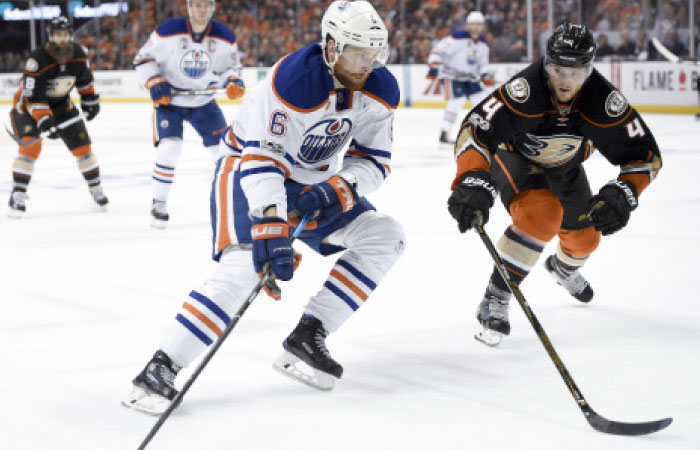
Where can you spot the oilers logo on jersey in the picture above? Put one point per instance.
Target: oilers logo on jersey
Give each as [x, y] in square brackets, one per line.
[323, 139]
[195, 63]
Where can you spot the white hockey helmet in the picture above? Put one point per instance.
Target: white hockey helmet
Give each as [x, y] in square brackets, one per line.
[475, 17]
[211, 4]
[354, 23]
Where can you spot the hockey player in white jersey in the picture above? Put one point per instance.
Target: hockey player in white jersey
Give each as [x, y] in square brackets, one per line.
[460, 63]
[314, 137]
[182, 55]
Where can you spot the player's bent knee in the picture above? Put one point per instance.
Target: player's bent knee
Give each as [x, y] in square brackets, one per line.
[579, 243]
[537, 213]
[380, 241]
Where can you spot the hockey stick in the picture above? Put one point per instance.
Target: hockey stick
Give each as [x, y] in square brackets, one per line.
[213, 349]
[199, 92]
[668, 54]
[597, 421]
[60, 126]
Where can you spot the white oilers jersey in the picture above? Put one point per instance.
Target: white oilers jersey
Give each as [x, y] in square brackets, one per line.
[298, 125]
[461, 58]
[189, 62]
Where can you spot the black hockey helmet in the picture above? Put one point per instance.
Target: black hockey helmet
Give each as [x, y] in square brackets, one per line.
[571, 46]
[58, 23]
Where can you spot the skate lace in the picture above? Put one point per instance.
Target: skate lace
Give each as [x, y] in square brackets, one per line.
[18, 198]
[498, 307]
[160, 208]
[167, 375]
[575, 283]
[320, 340]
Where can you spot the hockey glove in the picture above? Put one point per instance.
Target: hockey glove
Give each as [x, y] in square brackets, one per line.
[272, 247]
[90, 104]
[47, 124]
[611, 207]
[235, 88]
[473, 193]
[331, 198]
[160, 90]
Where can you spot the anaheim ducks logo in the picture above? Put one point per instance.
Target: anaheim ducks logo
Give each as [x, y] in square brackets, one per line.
[551, 151]
[615, 104]
[518, 90]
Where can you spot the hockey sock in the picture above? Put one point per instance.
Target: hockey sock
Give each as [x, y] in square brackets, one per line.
[567, 263]
[90, 169]
[454, 105]
[374, 243]
[22, 170]
[168, 152]
[520, 253]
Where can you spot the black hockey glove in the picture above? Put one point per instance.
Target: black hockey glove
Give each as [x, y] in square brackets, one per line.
[47, 124]
[611, 207]
[90, 104]
[474, 193]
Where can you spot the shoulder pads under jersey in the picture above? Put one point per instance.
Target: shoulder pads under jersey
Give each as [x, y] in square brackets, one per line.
[301, 80]
[221, 31]
[601, 103]
[172, 27]
[383, 87]
[525, 94]
[36, 61]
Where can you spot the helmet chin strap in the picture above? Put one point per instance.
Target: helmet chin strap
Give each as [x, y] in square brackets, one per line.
[330, 64]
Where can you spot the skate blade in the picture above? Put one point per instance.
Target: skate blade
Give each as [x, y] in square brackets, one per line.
[489, 337]
[293, 367]
[15, 213]
[159, 224]
[142, 401]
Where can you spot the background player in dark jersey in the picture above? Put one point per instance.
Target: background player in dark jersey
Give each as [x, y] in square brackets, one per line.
[42, 105]
[528, 141]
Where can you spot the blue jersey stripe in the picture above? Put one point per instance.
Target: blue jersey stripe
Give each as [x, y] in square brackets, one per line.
[213, 307]
[380, 167]
[160, 166]
[160, 180]
[340, 294]
[245, 173]
[193, 329]
[371, 151]
[357, 274]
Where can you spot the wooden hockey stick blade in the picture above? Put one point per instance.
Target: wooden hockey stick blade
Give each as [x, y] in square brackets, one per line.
[668, 54]
[604, 425]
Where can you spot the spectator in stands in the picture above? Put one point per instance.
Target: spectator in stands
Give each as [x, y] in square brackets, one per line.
[604, 50]
[675, 45]
[627, 47]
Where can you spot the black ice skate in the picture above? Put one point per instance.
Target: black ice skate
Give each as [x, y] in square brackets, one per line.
[99, 196]
[573, 282]
[493, 317]
[17, 205]
[444, 140]
[159, 213]
[307, 344]
[154, 388]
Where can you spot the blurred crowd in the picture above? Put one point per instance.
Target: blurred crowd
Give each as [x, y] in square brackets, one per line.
[267, 30]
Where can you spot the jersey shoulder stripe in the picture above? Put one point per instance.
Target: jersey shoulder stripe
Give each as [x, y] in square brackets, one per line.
[464, 34]
[301, 80]
[383, 87]
[172, 27]
[221, 31]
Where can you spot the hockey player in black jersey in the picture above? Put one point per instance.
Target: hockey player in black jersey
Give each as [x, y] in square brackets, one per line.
[527, 141]
[42, 107]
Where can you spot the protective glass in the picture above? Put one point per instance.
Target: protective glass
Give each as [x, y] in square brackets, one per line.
[572, 74]
[356, 58]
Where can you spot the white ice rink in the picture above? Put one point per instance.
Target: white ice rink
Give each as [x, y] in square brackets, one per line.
[87, 297]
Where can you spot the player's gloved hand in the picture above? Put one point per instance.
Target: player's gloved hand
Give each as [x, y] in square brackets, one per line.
[160, 90]
[47, 124]
[272, 247]
[235, 88]
[611, 207]
[271, 287]
[433, 71]
[488, 79]
[473, 193]
[90, 104]
[331, 198]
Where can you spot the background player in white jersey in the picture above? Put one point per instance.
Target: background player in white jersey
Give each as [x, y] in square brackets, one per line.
[314, 136]
[186, 54]
[460, 62]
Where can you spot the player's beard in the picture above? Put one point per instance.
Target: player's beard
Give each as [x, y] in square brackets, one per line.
[60, 52]
[352, 83]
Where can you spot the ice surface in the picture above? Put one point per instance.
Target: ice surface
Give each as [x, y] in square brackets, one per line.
[87, 297]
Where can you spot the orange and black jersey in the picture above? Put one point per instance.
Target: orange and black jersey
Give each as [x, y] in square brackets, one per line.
[47, 82]
[524, 116]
